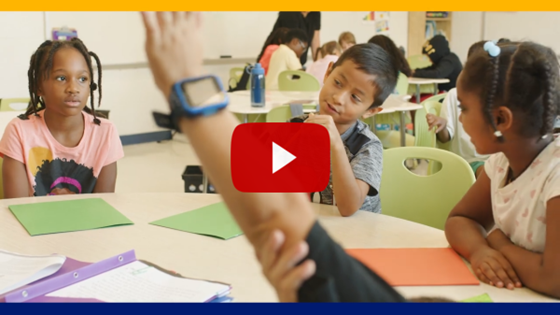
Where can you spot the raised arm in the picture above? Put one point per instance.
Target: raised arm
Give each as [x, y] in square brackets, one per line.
[174, 48]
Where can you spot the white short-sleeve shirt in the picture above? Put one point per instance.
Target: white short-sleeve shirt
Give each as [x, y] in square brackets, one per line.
[519, 209]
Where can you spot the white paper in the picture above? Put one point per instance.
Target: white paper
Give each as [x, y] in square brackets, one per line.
[18, 270]
[138, 282]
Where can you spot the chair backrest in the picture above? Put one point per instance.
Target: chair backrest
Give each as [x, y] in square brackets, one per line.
[14, 104]
[283, 113]
[423, 199]
[436, 98]
[235, 75]
[402, 84]
[419, 61]
[423, 136]
[294, 80]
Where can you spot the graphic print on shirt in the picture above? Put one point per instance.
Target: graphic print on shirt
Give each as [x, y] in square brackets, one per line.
[58, 174]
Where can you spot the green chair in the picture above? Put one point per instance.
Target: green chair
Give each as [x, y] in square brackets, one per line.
[295, 80]
[235, 74]
[9, 104]
[402, 84]
[436, 98]
[423, 199]
[392, 138]
[419, 61]
[283, 113]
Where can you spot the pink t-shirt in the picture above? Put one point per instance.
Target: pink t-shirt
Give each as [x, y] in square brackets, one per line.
[319, 67]
[51, 165]
[265, 59]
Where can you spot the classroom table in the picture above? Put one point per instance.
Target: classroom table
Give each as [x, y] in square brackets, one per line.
[396, 104]
[232, 261]
[240, 101]
[423, 81]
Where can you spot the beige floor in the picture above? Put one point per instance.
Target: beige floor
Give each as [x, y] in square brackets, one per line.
[154, 167]
[157, 167]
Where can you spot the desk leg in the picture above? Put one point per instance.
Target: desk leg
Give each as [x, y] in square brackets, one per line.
[417, 93]
[436, 91]
[245, 118]
[403, 129]
[374, 126]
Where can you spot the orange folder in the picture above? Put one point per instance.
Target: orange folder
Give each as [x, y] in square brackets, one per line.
[416, 266]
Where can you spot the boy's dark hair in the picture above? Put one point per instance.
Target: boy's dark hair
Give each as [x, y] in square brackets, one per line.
[480, 45]
[277, 37]
[524, 77]
[373, 60]
[40, 67]
[386, 43]
[296, 33]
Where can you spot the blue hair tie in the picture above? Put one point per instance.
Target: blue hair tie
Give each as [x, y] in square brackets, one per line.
[492, 49]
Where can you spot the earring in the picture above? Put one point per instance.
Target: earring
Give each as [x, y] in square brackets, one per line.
[498, 134]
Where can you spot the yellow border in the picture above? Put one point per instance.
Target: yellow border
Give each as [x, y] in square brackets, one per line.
[280, 5]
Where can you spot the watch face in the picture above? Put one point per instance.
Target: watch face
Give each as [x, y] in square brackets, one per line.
[203, 92]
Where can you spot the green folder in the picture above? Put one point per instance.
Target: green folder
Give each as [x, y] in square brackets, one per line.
[67, 216]
[213, 220]
[483, 298]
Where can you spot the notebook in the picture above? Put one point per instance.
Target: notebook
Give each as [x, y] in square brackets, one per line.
[121, 278]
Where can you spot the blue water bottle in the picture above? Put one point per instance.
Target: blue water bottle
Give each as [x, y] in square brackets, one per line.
[257, 86]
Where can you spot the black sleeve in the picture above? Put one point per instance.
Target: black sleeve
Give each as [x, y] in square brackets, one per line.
[441, 70]
[339, 277]
[317, 24]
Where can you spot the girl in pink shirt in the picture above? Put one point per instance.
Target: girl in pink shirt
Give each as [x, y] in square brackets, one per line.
[60, 146]
[330, 52]
[270, 46]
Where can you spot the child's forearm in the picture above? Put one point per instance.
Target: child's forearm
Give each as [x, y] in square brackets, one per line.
[255, 213]
[443, 135]
[349, 197]
[532, 270]
[465, 235]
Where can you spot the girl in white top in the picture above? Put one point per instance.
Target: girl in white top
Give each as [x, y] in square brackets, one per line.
[508, 223]
[330, 53]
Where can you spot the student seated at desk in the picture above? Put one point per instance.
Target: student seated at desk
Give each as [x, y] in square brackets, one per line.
[174, 49]
[346, 40]
[508, 224]
[330, 53]
[445, 64]
[59, 146]
[272, 43]
[286, 57]
[354, 87]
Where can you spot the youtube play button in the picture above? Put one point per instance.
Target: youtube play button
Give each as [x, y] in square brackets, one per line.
[280, 157]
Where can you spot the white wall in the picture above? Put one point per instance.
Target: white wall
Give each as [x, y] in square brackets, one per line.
[465, 31]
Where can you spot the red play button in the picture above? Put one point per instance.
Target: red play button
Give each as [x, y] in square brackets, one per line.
[280, 157]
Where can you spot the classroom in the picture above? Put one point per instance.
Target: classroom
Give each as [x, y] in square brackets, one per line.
[436, 131]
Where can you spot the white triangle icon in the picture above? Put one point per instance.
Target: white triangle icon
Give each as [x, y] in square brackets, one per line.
[280, 157]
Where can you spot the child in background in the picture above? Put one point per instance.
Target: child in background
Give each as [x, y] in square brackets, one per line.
[354, 87]
[59, 146]
[445, 64]
[286, 57]
[330, 52]
[272, 43]
[346, 40]
[508, 223]
[389, 46]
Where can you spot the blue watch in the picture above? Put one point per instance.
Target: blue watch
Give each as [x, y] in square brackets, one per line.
[192, 97]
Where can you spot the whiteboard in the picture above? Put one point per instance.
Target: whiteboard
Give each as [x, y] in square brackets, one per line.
[116, 37]
[540, 27]
[21, 34]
